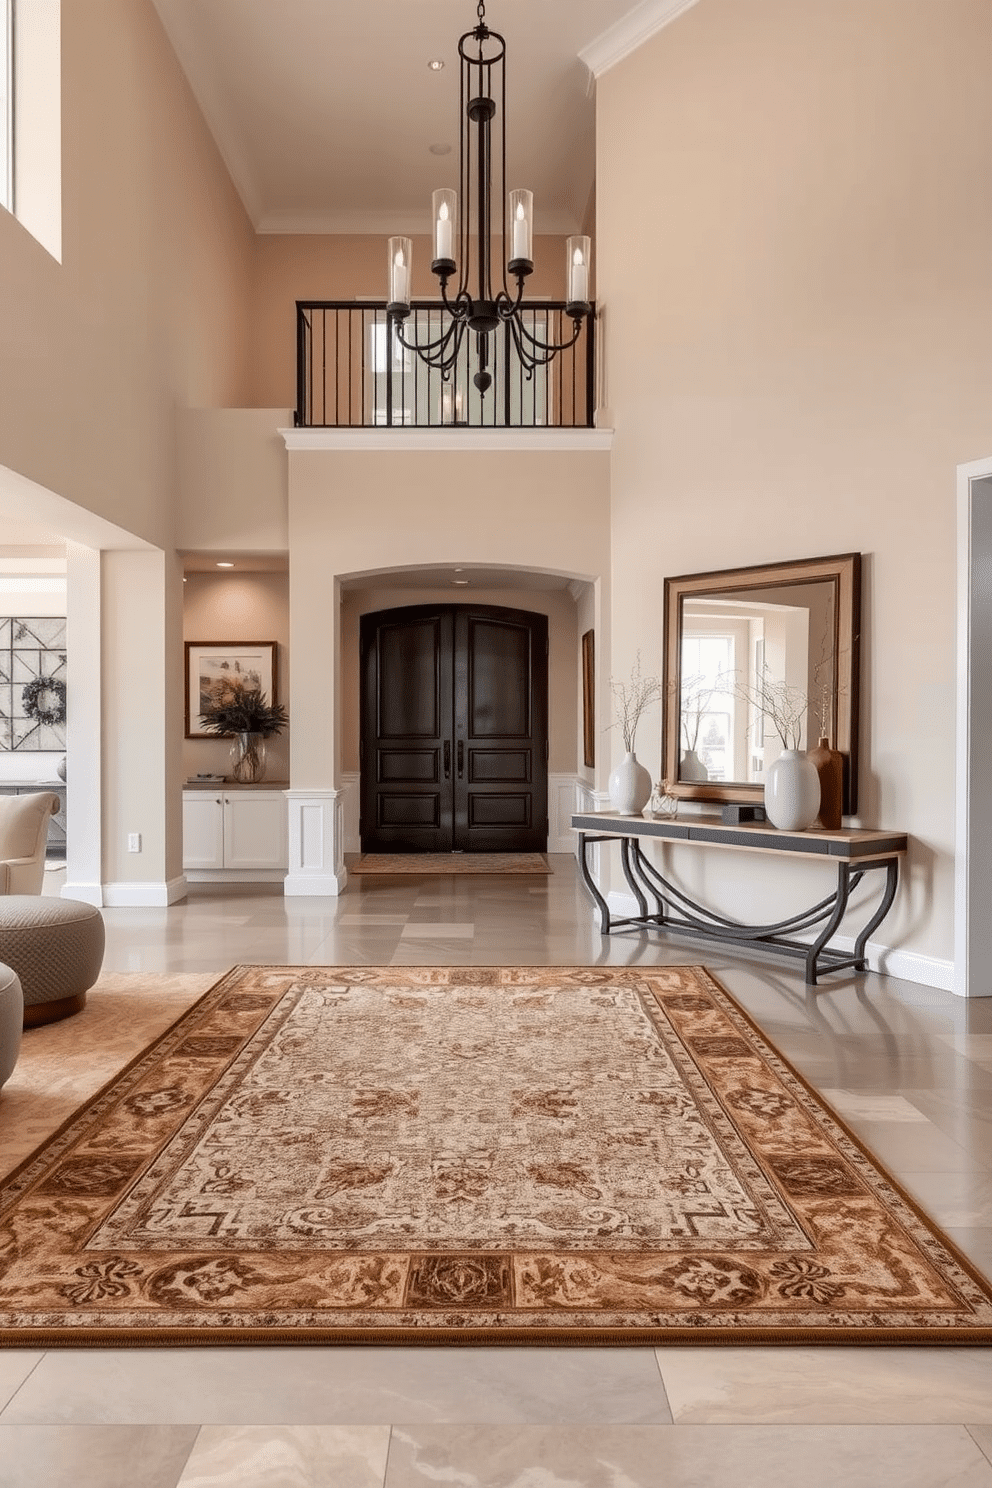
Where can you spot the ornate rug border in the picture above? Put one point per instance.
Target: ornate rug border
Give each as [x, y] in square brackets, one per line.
[474, 1336]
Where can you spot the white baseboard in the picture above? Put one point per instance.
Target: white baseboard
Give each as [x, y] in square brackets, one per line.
[235, 875]
[910, 966]
[86, 893]
[313, 885]
[150, 895]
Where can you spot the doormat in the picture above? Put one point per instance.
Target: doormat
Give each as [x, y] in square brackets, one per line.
[463, 1155]
[451, 863]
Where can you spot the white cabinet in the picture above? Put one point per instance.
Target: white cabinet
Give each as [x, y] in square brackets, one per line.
[234, 835]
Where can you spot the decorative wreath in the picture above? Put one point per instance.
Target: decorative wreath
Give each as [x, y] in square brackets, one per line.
[37, 699]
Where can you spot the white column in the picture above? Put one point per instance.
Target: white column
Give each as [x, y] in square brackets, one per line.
[84, 830]
[142, 735]
[316, 843]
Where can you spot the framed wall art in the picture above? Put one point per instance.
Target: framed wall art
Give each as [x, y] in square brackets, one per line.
[216, 670]
[589, 698]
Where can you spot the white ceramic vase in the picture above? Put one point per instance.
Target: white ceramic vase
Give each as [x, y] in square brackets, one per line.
[691, 767]
[630, 787]
[792, 791]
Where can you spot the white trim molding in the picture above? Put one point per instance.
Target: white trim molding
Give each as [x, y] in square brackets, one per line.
[153, 894]
[973, 832]
[234, 875]
[562, 797]
[88, 893]
[316, 843]
[404, 441]
[351, 782]
[635, 28]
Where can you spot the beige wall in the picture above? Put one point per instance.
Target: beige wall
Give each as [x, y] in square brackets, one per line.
[239, 607]
[813, 358]
[354, 514]
[232, 496]
[148, 310]
[291, 267]
[557, 604]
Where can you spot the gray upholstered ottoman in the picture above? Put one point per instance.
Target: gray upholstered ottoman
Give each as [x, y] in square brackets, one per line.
[11, 1021]
[56, 948]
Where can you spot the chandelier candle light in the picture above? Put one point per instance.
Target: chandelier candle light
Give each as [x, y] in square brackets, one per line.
[488, 305]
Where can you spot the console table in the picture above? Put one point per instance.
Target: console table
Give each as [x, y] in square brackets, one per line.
[663, 906]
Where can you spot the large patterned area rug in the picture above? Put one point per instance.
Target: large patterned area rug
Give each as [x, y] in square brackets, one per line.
[468, 1155]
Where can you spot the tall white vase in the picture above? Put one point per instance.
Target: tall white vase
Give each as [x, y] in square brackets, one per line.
[630, 787]
[792, 791]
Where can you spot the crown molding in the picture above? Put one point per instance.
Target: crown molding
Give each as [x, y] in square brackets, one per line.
[637, 27]
[428, 440]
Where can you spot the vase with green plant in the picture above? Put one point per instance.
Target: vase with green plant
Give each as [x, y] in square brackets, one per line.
[247, 718]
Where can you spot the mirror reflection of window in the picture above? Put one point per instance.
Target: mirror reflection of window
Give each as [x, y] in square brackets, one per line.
[709, 710]
[729, 644]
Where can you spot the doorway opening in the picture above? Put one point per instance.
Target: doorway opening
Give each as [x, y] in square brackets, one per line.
[454, 729]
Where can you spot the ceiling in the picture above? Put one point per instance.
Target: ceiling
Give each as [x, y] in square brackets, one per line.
[325, 111]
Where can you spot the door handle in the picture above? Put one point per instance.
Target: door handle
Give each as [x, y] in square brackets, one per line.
[447, 759]
[461, 757]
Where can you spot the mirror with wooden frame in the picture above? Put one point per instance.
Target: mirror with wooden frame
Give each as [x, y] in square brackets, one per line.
[745, 643]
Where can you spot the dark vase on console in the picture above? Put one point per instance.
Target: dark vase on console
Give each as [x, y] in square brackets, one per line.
[830, 768]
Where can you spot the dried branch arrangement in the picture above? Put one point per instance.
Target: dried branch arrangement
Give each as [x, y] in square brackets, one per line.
[631, 700]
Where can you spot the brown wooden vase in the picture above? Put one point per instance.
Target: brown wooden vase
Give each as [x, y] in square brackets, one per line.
[830, 768]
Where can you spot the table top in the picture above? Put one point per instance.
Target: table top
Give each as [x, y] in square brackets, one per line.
[221, 782]
[850, 843]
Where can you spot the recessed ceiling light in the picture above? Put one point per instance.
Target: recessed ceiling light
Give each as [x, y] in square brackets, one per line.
[435, 64]
[459, 581]
[439, 149]
[225, 565]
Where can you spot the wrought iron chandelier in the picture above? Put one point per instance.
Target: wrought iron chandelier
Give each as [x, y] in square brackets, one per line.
[479, 303]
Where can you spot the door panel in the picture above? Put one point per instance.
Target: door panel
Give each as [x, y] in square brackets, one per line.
[501, 668]
[454, 730]
[496, 652]
[409, 695]
[406, 730]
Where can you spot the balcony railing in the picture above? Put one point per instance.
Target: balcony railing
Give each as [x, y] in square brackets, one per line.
[352, 372]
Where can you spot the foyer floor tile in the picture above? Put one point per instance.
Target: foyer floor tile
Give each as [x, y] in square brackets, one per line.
[645, 1457]
[15, 1366]
[438, 930]
[840, 1385]
[282, 1457]
[350, 1386]
[93, 1456]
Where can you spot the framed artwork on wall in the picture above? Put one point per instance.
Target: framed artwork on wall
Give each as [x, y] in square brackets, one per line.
[215, 670]
[589, 698]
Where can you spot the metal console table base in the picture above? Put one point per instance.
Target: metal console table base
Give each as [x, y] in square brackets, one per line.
[663, 906]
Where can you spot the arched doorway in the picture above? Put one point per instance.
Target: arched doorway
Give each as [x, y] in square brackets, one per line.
[454, 729]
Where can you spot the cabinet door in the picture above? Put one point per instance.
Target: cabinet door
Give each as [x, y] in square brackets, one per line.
[255, 829]
[203, 830]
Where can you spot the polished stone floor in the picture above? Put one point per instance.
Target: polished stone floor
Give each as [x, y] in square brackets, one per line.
[908, 1067]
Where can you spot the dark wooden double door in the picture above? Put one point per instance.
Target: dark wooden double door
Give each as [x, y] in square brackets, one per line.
[454, 730]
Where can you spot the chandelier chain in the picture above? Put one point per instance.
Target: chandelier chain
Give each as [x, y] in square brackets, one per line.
[488, 306]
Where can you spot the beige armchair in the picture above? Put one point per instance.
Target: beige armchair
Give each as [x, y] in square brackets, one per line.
[23, 836]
